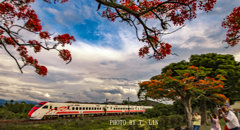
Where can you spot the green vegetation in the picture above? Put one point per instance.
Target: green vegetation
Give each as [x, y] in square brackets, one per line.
[164, 110]
[15, 110]
[141, 103]
[104, 123]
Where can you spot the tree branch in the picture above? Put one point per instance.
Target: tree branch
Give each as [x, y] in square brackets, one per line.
[11, 56]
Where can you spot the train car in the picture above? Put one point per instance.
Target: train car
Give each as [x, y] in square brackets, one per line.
[49, 110]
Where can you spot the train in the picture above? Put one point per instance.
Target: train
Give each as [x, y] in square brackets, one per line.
[52, 110]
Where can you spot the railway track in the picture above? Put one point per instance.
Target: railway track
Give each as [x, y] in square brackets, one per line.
[28, 121]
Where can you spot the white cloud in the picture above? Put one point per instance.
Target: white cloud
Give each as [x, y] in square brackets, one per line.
[98, 71]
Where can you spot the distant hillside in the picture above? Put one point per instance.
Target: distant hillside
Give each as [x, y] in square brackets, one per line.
[143, 102]
[2, 101]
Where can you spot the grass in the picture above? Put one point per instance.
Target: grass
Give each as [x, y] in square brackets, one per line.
[102, 123]
[87, 124]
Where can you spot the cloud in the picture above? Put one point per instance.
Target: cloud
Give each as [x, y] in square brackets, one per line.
[114, 94]
[105, 60]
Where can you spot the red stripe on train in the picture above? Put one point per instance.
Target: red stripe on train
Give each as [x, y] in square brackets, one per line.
[70, 112]
[99, 111]
[135, 111]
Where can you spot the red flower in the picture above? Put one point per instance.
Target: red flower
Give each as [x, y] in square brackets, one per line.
[36, 45]
[41, 70]
[65, 54]
[44, 35]
[142, 51]
[64, 39]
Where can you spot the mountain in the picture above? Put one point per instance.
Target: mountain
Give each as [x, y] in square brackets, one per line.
[2, 101]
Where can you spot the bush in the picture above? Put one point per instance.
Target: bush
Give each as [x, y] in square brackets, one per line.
[170, 121]
[161, 123]
[160, 110]
[5, 114]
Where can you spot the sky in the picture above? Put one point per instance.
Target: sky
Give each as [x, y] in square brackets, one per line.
[105, 61]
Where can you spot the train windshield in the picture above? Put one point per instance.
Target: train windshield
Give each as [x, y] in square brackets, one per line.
[38, 105]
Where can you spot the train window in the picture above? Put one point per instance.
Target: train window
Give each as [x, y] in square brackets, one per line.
[50, 107]
[89, 108]
[73, 108]
[86, 108]
[76, 108]
[95, 108]
[92, 108]
[80, 108]
[45, 107]
[83, 108]
[98, 108]
[110, 107]
[55, 108]
[68, 107]
[38, 105]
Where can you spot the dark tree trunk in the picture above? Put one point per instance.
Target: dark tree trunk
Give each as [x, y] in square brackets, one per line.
[186, 116]
[203, 110]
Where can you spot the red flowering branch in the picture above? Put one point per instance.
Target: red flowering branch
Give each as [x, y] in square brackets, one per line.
[11, 10]
[232, 22]
[175, 11]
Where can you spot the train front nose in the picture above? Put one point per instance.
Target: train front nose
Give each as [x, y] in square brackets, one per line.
[31, 113]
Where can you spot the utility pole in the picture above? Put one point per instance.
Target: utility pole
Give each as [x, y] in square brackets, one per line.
[128, 107]
[106, 106]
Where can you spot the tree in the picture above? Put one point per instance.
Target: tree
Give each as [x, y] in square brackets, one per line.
[216, 64]
[219, 64]
[189, 84]
[13, 11]
[225, 65]
[164, 11]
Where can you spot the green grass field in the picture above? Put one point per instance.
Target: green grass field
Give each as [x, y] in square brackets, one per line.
[86, 124]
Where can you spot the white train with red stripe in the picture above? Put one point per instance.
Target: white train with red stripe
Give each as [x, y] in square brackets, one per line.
[45, 110]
